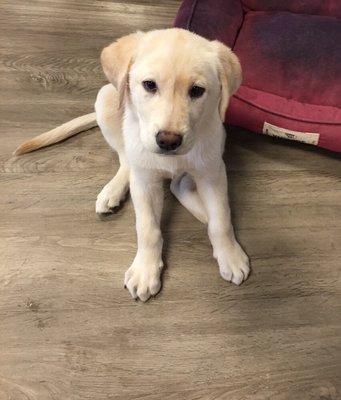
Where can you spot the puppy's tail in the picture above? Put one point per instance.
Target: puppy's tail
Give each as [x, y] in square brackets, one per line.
[58, 134]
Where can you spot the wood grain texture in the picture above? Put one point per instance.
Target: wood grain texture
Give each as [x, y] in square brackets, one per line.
[68, 329]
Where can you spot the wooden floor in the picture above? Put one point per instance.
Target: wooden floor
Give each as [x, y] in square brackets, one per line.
[68, 329]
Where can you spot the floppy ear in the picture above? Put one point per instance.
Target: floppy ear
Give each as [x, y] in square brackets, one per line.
[116, 60]
[230, 74]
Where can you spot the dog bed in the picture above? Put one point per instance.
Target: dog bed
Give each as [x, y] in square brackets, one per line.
[291, 59]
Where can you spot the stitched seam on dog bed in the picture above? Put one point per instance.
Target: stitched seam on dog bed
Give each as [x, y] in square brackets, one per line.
[247, 9]
[189, 23]
[239, 29]
[283, 114]
[282, 97]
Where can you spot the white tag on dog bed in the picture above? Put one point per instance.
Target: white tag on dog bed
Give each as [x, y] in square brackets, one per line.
[305, 137]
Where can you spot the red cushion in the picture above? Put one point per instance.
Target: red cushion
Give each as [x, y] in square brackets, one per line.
[291, 64]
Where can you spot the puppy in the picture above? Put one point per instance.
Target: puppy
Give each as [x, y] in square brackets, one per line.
[162, 113]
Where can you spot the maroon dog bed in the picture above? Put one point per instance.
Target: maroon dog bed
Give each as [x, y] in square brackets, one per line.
[291, 59]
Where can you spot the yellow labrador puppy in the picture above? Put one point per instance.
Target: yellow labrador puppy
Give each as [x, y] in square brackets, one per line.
[162, 112]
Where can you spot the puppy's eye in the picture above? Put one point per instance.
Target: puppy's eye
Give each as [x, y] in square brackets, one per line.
[196, 91]
[150, 86]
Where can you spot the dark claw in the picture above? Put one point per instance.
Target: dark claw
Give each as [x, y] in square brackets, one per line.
[104, 216]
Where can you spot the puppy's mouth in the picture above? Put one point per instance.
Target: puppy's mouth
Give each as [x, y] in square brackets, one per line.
[168, 152]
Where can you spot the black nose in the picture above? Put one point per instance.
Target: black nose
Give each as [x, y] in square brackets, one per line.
[168, 140]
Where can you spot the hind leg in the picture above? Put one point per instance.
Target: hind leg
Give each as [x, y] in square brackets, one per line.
[109, 119]
[114, 191]
[184, 189]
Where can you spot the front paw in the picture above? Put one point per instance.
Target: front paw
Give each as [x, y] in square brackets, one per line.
[234, 264]
[142, 279]
[109, 199]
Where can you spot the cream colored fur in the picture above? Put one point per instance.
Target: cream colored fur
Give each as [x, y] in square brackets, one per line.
[58, 134]
[130, 118]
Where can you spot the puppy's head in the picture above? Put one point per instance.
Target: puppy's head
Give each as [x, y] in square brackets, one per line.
[174, 81]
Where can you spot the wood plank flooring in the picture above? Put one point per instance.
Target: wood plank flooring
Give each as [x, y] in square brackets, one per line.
[68, 329]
